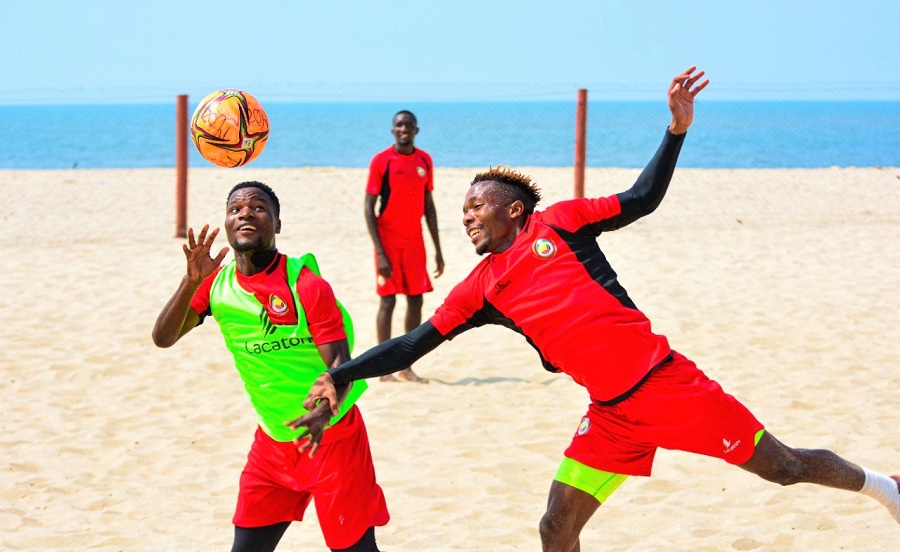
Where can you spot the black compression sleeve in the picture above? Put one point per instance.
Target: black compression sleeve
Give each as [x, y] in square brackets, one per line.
[391, 356]
[650, 187]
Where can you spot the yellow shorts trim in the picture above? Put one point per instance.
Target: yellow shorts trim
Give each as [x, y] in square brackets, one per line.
[758, 436]
[597, 483]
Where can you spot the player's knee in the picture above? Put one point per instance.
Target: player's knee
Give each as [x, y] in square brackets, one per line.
[786, 473]
[388, 302]
[556, 532]
[414, 301]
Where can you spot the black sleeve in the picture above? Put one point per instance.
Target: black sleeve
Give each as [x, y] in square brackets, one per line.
[391, 356]
[648, 190]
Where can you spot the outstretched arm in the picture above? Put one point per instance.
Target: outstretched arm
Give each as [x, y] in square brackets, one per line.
[177, 317]
[650, 187]
[391, 356]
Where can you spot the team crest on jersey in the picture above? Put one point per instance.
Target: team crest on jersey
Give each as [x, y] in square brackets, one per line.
[420, 170]
[585, 425]
[543, 248]
[277, 304]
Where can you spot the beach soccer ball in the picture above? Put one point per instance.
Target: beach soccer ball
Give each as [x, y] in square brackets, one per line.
[229, 128]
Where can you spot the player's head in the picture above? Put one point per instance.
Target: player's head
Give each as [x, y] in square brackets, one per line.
[404, 128]
[259, 186]
[496, 206]
[513, 186]
[252, 217]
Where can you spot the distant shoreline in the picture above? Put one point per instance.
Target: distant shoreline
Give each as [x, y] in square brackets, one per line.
[726, 134]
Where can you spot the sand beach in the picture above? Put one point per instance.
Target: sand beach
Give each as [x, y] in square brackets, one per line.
[781, 284]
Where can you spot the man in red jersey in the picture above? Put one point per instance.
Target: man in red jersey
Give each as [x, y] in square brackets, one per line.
[546, 278]
[402, 177]
[283, 326]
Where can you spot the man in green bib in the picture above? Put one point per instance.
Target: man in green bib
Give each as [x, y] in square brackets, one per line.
[284, 327]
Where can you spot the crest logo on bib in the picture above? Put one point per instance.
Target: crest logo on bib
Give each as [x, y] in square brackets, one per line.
[543, 248]
[277, 304]
[420, 170]
[585, 425]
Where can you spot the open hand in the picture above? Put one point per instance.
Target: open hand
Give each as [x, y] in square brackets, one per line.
[199, 262]
[681, 99]
[316, 421]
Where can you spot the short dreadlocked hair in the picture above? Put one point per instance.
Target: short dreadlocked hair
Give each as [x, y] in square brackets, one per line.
[515, 185]
[263, 188]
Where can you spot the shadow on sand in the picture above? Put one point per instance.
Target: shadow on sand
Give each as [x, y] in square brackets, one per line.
[488, 381]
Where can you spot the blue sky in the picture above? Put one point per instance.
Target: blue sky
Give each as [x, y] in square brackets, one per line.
[431, 49]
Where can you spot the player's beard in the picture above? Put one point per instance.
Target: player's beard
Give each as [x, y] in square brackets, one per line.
[246, 247]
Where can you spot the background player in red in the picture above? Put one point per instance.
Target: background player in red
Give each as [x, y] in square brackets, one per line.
[546, 278]
[402, 178]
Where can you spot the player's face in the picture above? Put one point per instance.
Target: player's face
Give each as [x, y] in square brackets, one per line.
[404, 129]
[488, 222]
[250, 222]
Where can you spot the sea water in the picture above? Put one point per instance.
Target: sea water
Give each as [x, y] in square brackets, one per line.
[725, 134]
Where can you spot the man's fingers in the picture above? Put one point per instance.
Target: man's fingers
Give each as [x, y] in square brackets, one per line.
[699, 87]
[689, 82]
[212, 236]
[202, 236]
[311, 446]
[220, 256]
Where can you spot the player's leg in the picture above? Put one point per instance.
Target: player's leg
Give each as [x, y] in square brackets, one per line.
[383, 318]
[348, 500]
[265, 504]
[383, 323]
[575, 494]
[412, 321]
[413, 312]
[774, 461]
[258, 539]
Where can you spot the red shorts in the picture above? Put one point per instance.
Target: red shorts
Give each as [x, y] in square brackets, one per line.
[677, 408]
[409, 275]
[279, 481]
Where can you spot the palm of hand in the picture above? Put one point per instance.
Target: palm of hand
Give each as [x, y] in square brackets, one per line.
[681, 104]
[200, 264]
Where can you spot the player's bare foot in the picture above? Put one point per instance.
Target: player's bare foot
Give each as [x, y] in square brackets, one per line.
[410, 376]
[389, 377]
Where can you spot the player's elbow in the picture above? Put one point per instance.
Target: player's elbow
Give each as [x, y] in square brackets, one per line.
[161, 340]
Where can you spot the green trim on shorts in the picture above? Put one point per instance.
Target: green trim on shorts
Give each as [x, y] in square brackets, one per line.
[597, 483]
[758, 436]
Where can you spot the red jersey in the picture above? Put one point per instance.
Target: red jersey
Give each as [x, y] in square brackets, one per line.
[323, 316]
[555, 287]
[401, 182]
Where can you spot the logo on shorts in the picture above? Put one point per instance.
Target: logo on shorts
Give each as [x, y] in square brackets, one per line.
[277, 304]
[381, 281]
[584, 426]
[543, 248]
[729, 446]
[420, 170]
